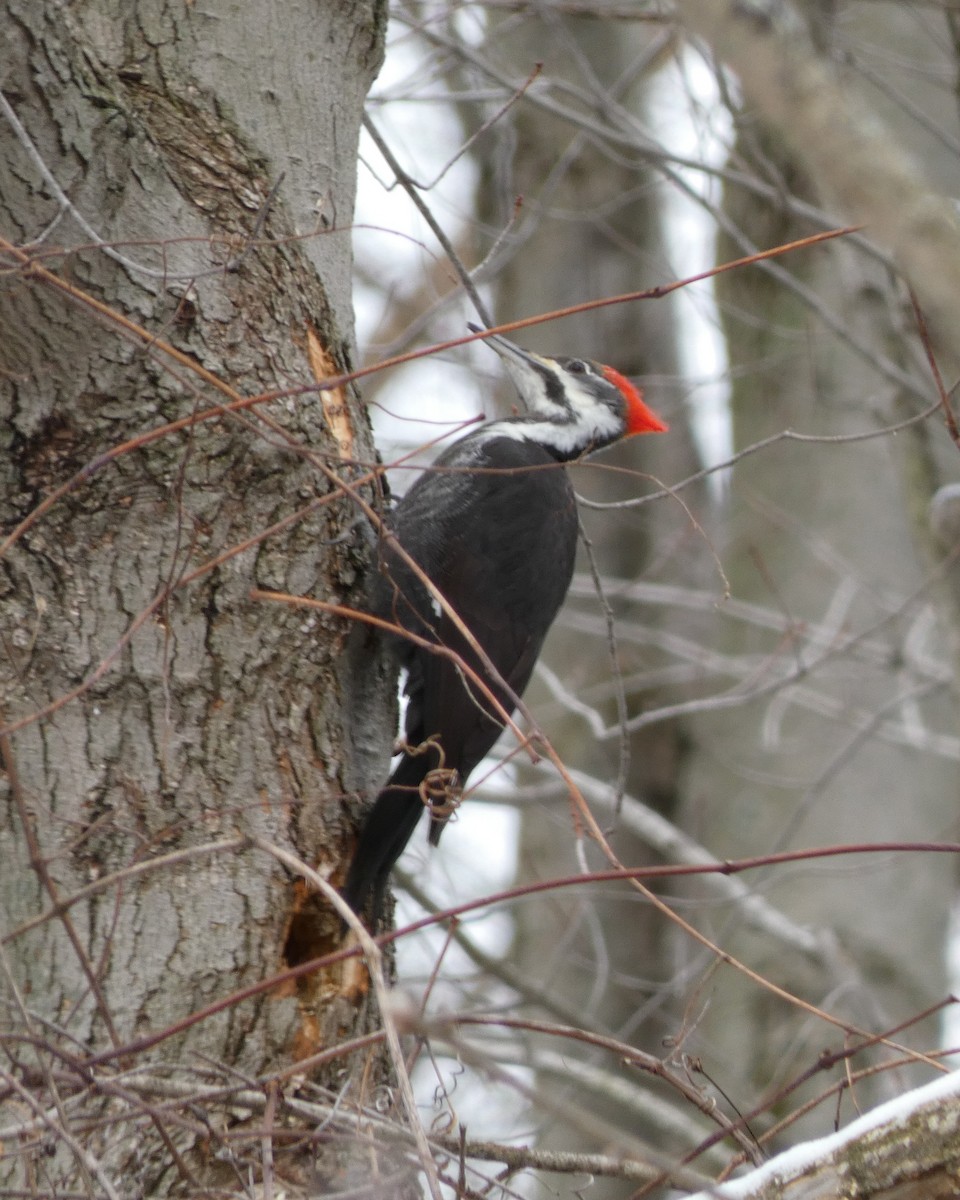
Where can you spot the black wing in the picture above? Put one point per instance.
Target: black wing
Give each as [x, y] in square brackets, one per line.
[495, 529]
[494, 526]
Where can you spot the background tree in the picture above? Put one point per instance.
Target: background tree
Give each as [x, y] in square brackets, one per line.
[783, 648]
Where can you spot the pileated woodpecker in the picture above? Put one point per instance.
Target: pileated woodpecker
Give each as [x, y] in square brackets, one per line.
[493, 525]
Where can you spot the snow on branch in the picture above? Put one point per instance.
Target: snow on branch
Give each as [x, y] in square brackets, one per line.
[911, 1144]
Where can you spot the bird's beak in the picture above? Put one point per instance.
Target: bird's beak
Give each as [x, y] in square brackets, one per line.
[506, 349]
[523, 366]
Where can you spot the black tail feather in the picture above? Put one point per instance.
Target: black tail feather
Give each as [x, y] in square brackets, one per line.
[385, 833]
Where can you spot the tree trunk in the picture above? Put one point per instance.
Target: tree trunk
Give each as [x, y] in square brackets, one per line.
[180, 186]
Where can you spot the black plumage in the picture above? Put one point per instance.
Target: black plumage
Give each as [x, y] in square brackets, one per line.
[493, 524]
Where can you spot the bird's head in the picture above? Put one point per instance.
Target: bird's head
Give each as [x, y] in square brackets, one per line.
[572, 405]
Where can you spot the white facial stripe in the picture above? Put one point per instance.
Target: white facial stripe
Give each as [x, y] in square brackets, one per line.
[567, 426]
[581, 398]
[566, 438]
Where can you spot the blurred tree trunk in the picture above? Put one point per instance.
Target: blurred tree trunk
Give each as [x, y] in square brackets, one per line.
[590, 226]
[832, 540]
[152, 707]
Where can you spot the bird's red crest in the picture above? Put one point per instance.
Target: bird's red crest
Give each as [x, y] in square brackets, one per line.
[640, 418]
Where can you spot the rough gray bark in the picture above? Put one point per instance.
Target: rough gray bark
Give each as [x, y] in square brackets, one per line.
[151, 706]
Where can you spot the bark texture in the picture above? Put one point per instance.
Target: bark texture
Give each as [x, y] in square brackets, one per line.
[193, 171]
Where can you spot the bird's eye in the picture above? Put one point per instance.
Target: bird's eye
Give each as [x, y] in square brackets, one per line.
[577, 367]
